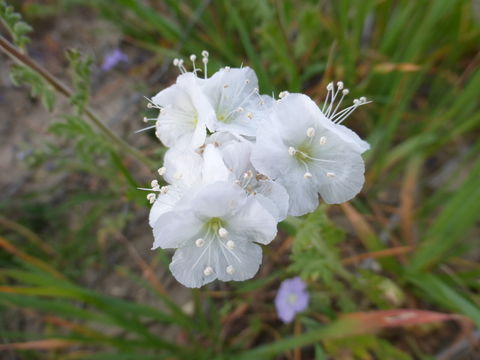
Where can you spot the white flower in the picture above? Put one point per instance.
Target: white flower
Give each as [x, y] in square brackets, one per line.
[271, 195]
[215, 235]
[168, 198]
[184, 113]
[233, 93]
[186, 171]
[302, 150]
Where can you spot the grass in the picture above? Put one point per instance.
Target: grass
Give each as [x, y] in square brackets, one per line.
[417, 61]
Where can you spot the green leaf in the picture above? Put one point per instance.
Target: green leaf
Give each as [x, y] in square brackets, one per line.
[81, 70]
[15, 25]
[22, 75]
[314, 254]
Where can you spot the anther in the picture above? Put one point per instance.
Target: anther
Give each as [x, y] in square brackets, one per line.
[149, 105]
[323, 140]
[163, 189]
[356, 102]
[307, 175]
[145, 119]
[199, 242]
[330, 86]
[162, 171]
[248, 174]
[208, 271]
[155, 185]
[230, 244]
[330, 174]
[363, 99]
[292, 151]
[175, 62]
[345, 91]
[250, 115]
[151, 198]
[205, 62]
[310, 132]
[230, 269]
[283, 94]
[222, 232]
[227, 68]
[340, 85]
[193, 57]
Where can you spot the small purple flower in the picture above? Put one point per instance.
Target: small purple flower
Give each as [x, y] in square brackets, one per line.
[112, 59]
[291, 298]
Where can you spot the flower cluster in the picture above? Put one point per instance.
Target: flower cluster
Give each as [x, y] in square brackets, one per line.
[238, 163]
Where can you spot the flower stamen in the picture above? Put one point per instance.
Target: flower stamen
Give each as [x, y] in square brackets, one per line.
[222, 232]
[208, 271]
[205, 62]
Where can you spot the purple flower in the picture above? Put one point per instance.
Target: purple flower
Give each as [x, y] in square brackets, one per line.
[291, 298]
[112, 59]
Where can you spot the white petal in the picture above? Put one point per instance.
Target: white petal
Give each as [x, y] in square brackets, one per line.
[201, 103]
[183, 167]
[237, 157]
[221, 139]
[244, 259]
[167, 96]
[347, 182]
[341, 176]
[294, 114]
[199, 135]
[234, 96]
[175, 228]
[165, 202]
[188, 265]
[252, 222]
[277, 195]
[186, 110]
[214, 168]
[176, 126]
[270, 154]
[218, 199]
[269, 205]
[351, 138]
[302, 193]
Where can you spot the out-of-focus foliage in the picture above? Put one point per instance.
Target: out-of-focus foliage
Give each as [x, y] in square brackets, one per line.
[14, 23]
[409, 241]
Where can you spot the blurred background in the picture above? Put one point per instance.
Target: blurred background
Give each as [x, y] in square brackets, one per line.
[393, 274]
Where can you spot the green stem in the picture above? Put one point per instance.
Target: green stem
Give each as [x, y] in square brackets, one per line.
[64, 90]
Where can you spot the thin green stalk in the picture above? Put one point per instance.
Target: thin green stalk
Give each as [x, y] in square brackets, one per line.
[64, 90]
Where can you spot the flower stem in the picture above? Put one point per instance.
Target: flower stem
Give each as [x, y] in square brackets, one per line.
[64, 90]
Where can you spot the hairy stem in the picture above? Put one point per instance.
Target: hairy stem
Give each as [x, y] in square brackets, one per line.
[61, 88]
